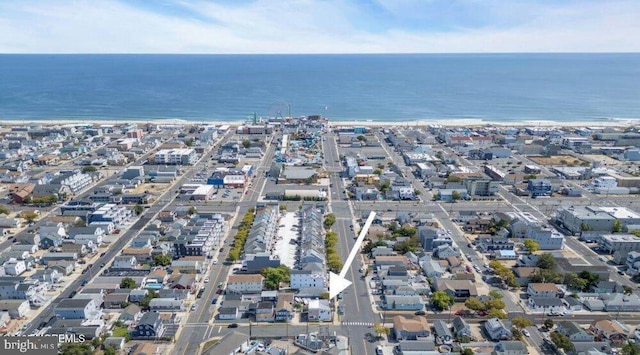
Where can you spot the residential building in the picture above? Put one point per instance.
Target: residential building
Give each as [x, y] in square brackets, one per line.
[308, 278]
[442, 333]
[539, 187]
[510, 347]
[242, 283]
[611, 330]
[545, 304]
[460, 290]
[406, 303]
[319, 310]
[497, 329]
[16, 309]
[543, 290]
[410, 329]
[77, 308]
[185, 156]
[149, 326]
[461, 328]
[573, 331]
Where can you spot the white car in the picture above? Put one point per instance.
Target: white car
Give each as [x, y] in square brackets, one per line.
[215, 262]
[526, 333]
[206, 280]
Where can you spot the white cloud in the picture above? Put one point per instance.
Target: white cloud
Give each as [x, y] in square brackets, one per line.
[306, 26]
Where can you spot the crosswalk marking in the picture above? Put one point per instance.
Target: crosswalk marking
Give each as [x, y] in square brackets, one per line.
[364, 324]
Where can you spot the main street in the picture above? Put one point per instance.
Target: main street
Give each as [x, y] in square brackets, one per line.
[355, 298]
[190, 337]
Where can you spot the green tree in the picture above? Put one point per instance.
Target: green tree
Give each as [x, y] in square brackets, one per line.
[274, 276]
[627, 290]
[4, 210]
[324, 295]
[161, 260]
[246, 143]
[89, 169]
[546, 261]
[531, 245]
[585, 227]
[455, 195]
[453, 178]
[494, 304]
[144, 302]
[617, 226]
[128, 283]
[138, 209]
[75, 349]
[630, 349]
[441, 300]
[30, 216]
[377, 172]
[521, 322]
[189, 142]
[562, 341]
[110, 350]
[474, 304]
[192, 210]
[548, 323]
[467, 351]
[380, 329]
[361, 138]
[496, 295]
[329, 220]
[496, 313]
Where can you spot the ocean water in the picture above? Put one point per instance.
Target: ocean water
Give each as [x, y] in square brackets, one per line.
[492, 87]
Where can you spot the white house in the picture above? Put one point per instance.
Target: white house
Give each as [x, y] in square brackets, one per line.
[124, 262]
[14, 267]
[307, 278]
[78, 308]
[547, 290]
[319, 310]
[248, 283]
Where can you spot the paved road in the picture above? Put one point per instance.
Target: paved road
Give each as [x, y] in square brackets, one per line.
[191, 336]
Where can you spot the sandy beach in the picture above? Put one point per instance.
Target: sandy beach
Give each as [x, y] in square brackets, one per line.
[367, 123]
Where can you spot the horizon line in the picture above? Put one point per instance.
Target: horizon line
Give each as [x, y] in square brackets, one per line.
[327, 53]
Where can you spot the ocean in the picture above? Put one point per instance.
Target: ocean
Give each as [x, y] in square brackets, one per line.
[400, 87]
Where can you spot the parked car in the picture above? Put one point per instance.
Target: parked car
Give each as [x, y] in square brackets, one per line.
[215, 300]
[526, 333]
[233, 325]
[206, 280]
[420, 313]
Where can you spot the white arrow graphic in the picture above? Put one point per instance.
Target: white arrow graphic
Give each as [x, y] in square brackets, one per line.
[337, 283]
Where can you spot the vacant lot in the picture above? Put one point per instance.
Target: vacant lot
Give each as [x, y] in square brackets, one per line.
[559, 160]
[154, 188]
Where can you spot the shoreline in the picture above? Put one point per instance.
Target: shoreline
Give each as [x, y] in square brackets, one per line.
[366, 123]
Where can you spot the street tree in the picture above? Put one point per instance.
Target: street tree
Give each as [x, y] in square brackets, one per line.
[531, 245]
[521, 322]
[496, 313]
[474, 304]
[562, 341]
[455, 195]
[441, 300]
[138, 209]
[380, 329]
[548, 323]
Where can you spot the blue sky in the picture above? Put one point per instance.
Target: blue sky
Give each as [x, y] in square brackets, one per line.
[318, 26]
